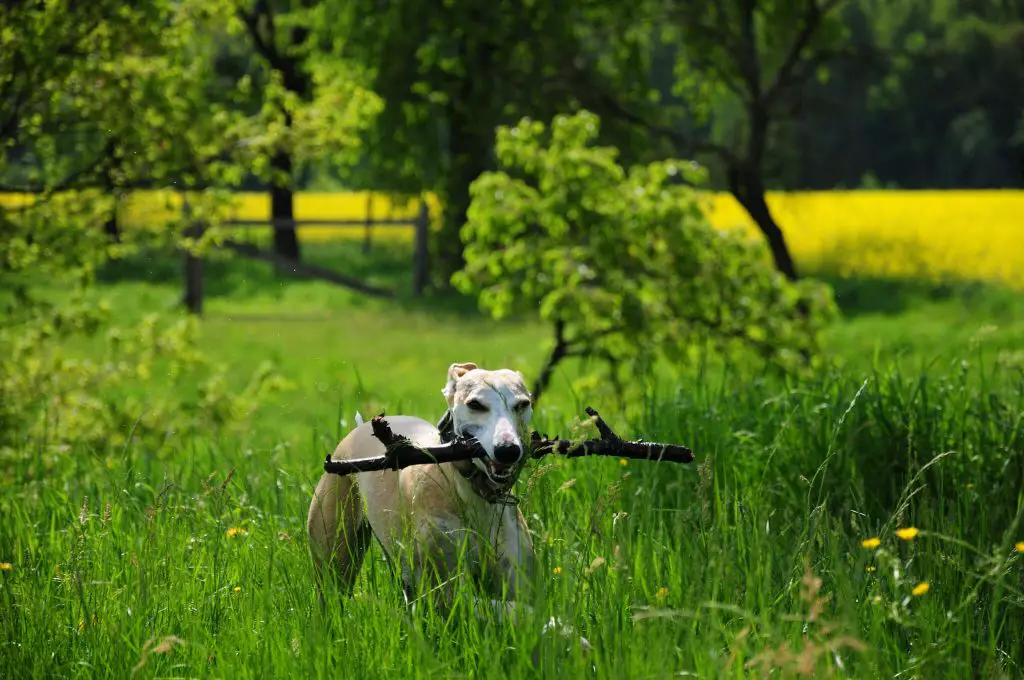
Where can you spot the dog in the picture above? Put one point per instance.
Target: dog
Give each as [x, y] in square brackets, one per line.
[427, 517]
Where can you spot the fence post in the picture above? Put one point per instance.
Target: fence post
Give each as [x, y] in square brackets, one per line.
[421, 255]
[368, 228]
[193, 266]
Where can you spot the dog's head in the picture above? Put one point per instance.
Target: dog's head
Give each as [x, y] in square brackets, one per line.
[495, 408]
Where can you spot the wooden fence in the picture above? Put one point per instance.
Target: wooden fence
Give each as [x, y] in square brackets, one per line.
[193, 294]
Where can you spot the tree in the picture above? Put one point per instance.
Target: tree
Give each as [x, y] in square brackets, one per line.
[621, 262]
[449, 74]
[740, 66]
[305, 107]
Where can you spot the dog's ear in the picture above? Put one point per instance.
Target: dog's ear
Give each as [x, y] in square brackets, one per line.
[455, 371]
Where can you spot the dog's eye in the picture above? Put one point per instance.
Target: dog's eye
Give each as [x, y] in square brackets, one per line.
[476, 405]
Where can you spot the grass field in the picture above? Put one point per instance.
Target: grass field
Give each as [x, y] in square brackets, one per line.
[189, 559]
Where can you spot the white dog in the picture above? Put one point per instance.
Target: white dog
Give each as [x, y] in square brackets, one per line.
[427, 516]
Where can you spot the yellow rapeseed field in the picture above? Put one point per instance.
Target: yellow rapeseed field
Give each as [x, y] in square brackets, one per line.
[932, 235]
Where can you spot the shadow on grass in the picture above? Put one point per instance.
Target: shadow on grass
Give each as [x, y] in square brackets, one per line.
[387, 264]
[859, 296]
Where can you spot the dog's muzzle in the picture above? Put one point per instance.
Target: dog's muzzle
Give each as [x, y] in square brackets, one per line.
[504, 463]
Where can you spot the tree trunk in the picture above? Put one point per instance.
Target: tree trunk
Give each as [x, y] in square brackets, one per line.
[748, 188]
[470, 143]
[282, 209]
[468, 160]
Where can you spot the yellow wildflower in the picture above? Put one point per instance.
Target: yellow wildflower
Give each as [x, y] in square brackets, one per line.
[237, 531]
[238, 589]
[7, 566]
[921, 588]
[556, 571]
[661, 594]
[873, 542]
[1019, 547]
[623, 462]
[870, 569]
[908, 533]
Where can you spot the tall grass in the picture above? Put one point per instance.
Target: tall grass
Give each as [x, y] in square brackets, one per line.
[192, 561]
[187, 557]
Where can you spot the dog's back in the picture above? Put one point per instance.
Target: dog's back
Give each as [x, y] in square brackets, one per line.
[338, 523]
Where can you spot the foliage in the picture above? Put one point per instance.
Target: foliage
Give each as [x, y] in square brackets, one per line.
[935, 107]
[622, 261]
[291, 94]
[115, 106]
[450, 73]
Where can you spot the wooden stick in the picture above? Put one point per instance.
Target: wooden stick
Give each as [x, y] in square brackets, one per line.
[400, 452]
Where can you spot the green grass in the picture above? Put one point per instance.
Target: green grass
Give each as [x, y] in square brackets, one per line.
[920, 422]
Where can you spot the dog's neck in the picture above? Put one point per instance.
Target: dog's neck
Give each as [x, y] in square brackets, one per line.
[478, 480]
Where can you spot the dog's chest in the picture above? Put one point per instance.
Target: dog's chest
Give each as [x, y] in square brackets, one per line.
[508, 548]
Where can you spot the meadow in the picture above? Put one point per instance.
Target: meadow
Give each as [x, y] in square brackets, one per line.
[862, 521]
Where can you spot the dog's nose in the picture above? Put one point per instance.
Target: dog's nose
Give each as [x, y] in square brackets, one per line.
[507, 453]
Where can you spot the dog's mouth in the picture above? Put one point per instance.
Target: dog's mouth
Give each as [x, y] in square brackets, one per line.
[500, 472]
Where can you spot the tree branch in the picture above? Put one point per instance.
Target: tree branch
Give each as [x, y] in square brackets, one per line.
[560, 351]
[688, 145]
[749, 60]
[263, 48]
[812, 17]
[295, 79]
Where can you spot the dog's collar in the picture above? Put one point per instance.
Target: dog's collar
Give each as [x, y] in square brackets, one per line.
[477, 478]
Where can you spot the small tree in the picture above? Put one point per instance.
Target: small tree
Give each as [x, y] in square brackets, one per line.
[620, 261]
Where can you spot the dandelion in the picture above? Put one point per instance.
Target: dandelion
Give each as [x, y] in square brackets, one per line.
[237, 531]
[1019, 548]
[920, 589]
[872, 542]
[623, 462]
[238, 589]
[556, 571]
[661, 594]
[908, 533]
[7, 566]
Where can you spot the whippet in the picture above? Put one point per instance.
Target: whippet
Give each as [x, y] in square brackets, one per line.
[424, 516]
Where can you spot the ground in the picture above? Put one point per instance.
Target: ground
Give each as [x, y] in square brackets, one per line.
[189, 559]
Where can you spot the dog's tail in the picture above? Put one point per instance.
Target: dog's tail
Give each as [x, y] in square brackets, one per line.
[359, 419]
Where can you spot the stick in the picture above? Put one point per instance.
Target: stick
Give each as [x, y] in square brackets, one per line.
[610, 444]
[400, 452]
